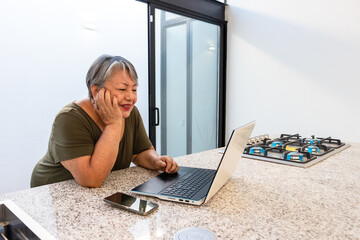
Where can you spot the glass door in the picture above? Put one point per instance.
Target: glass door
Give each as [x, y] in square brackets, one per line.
[186, 84]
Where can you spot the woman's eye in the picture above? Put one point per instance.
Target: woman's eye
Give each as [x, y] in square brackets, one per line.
[134, 90]
[121, 89]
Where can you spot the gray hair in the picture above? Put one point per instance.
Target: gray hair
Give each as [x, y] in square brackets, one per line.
[104, 67]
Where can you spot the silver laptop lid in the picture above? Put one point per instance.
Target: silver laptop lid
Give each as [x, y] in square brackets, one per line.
[231, 157]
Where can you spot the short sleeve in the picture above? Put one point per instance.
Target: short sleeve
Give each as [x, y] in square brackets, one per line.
[141, 141]
[70, 138]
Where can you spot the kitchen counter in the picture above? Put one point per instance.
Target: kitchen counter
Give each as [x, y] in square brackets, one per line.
[261, 201]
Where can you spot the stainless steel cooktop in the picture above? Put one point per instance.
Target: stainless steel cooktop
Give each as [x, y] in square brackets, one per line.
[293, 149]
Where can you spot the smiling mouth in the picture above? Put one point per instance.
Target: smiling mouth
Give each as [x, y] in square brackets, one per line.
[126, 107]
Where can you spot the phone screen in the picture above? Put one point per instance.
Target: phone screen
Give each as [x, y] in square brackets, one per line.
[131, 203]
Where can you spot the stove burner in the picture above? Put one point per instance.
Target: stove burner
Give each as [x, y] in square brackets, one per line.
[292, 149]
[257, 150]
[311, 141]
[312, 149]
[293, 156]
[276, 144]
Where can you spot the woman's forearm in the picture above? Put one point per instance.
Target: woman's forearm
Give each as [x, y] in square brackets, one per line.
[147, 159]
[106, 151]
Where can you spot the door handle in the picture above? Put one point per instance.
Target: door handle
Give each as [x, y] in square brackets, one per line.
[157, 120]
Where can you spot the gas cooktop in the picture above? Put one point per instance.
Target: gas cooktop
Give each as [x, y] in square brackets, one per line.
[293, 149]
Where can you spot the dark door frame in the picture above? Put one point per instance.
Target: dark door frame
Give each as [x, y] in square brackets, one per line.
[210, 11]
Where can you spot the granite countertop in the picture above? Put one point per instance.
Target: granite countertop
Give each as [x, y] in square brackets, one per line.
[261, 201]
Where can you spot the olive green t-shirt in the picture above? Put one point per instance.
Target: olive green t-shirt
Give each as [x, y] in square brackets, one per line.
[74, 134]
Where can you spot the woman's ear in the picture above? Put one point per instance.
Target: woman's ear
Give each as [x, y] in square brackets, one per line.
[94, 90]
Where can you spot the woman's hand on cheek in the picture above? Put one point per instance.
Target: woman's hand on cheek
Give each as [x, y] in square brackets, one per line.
[107, 107]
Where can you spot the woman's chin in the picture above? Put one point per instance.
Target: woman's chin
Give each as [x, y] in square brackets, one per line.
[126, 114]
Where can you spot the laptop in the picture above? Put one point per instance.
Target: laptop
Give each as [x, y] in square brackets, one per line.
[198, 185]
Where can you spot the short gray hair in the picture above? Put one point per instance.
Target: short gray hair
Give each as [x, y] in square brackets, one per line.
[104, 67]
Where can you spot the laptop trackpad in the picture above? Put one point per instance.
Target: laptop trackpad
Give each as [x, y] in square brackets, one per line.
[161, 181]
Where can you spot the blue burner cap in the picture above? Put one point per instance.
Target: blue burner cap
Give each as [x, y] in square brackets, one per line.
[276, 143]
[294, 156]
[312, 149]
[257, 150]
[312, 141]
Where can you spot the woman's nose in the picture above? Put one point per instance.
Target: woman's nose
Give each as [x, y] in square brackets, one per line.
[129, 95]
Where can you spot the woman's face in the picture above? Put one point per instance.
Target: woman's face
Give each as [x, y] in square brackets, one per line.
[124, 89]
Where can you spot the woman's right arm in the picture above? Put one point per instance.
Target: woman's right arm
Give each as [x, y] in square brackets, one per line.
[91, 171]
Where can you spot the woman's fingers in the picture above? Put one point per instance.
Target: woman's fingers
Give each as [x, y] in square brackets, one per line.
[107, 107]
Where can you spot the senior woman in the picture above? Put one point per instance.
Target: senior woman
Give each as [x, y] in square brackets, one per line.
[101, 133]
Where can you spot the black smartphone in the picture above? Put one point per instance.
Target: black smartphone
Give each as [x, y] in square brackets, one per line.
[131, 203]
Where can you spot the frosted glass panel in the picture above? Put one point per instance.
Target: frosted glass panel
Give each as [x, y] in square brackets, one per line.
[187, 62]
[169, 15]
[204, 86]
[176, 90]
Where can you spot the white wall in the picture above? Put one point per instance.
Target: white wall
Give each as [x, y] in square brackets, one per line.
[294, 66]
[46, 51]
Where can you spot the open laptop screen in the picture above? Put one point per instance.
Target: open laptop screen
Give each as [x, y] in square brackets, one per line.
[233, 153]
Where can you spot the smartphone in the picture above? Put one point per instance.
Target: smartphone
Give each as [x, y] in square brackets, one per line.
[131, 203]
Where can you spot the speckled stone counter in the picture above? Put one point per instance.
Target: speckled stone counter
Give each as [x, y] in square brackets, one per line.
[261, 201]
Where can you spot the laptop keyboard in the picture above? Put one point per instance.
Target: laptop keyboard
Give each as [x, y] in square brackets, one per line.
[190, 184]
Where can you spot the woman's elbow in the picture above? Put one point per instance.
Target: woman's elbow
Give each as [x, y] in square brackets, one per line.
[91, 183]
